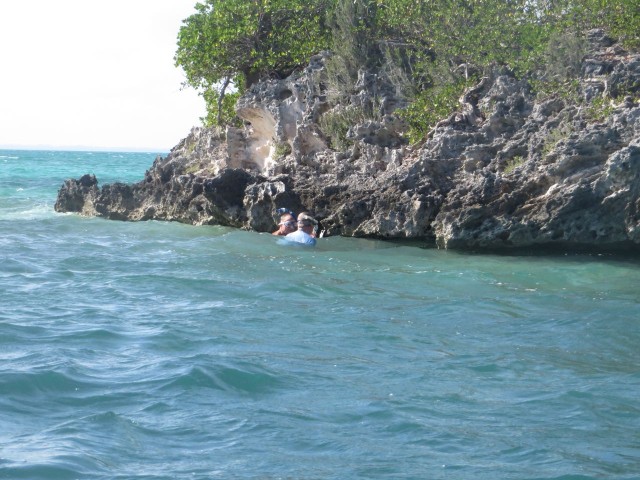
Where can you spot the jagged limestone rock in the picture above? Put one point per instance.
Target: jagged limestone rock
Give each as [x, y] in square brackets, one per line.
[508, 170]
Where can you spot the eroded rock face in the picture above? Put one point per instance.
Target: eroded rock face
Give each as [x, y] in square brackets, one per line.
[551, 172]
[75, 195]
[508, 170]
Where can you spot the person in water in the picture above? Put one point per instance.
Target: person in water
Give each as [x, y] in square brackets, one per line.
[287, 225]
[304, 234]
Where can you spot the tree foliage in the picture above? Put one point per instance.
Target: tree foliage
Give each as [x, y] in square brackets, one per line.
[430, 48]
[236, 42]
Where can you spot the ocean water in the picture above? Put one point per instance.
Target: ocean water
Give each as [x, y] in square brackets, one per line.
[165, 351]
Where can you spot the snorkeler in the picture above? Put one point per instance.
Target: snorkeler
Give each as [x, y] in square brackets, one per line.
[306, 226]
[287, 225]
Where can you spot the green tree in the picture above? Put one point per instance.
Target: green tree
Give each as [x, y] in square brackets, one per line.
[237, 42]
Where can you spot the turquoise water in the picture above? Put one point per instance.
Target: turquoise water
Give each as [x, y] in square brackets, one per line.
[164, 351]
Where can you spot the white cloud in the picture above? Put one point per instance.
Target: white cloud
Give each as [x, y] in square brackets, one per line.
[93, 73]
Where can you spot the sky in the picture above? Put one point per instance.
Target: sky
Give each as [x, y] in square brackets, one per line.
[94, 74]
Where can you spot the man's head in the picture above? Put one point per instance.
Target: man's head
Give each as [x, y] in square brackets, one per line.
[287, 224]
[306, 223]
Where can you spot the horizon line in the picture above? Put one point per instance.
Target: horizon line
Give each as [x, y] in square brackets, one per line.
[83, 148]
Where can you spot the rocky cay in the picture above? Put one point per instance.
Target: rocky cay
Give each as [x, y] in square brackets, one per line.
[511, 169]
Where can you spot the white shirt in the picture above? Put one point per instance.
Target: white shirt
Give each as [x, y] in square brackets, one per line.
[301, 237]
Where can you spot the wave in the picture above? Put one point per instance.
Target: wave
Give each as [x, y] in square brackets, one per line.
[28, 212]
[246, 379]
[45, 383]
[41, 471]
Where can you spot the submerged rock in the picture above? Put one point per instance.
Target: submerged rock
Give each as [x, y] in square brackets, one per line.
[508, 170]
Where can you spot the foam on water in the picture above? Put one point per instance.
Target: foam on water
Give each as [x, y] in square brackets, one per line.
[165, 351]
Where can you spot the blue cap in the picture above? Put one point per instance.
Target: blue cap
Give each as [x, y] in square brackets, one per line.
[282, 211]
